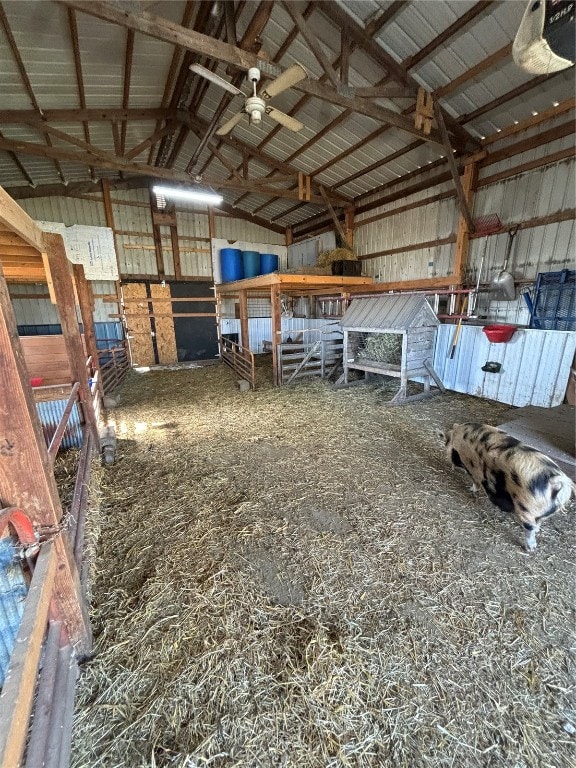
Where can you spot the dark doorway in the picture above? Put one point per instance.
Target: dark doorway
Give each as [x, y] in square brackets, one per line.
[196, 337]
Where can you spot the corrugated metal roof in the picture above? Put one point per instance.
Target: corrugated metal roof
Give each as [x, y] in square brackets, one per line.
[43, 36]
[395, 312]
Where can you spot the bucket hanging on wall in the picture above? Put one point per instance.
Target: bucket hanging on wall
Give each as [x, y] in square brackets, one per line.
[231, 264]
[268, 263]
[251, 261]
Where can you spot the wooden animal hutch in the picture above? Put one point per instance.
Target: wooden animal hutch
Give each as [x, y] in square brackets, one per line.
[42, 548]
[391, 335]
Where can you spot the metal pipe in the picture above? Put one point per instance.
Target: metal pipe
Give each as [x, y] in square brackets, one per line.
[82, 477]
[66, 744]
[45, 700]
[82, 503]
[63, 423]
[55, 733]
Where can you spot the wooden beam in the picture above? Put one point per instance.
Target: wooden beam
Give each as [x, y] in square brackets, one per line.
[26, 477]
[73, 26]
[120, 164]
[157, 236]
[463, 230]
[555, 157]
[127, 76]
[103, 115]
[463, 21]
[460, 193]
[311, 41]
[484, 65]
[276, 330]
[408, 248]
[244, 332]
[345, 58]
[230, 23]
[158, 134]
[162, 29]
[86, 304]
[60, 270]
[565, 106]
[332, 213]
[16, 220]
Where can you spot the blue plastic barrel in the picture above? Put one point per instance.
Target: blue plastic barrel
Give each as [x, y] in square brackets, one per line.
[268, 263]
[251, 261]
[231, 264]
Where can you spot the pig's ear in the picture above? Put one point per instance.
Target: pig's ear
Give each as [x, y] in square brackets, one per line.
[444, 437]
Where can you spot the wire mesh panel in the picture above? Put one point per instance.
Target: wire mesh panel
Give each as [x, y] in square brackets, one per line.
[377, 347]
[13, 590]
[554, 306]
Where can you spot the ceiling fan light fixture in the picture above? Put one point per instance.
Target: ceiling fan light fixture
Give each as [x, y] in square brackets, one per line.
[194, 195]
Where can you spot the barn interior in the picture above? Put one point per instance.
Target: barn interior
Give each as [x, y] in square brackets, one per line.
[253, 256]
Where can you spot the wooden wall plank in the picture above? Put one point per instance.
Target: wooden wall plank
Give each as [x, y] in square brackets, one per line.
[165, 336]
[138, 329]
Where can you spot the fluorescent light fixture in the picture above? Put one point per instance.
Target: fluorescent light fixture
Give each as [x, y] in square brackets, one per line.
[211, 198]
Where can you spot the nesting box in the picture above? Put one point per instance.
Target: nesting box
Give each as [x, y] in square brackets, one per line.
[394, 336]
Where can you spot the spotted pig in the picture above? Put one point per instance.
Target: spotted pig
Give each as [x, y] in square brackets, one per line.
[516, 477]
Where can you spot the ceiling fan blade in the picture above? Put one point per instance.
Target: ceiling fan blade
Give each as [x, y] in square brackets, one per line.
[288, 122]
[290, 77]
[227, 127]
[209, 75]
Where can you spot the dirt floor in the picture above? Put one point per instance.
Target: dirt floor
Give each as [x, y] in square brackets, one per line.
[296, 577]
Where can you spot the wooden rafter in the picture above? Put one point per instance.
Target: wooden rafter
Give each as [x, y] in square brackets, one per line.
[79, 75]
[129, 54]
[25, 79]
[164, 30]
[16, 160]
[177, 57]
[460, 23]
[312, 41]
[150, 141]
[460, 193]
[120, 164]
[252, 33]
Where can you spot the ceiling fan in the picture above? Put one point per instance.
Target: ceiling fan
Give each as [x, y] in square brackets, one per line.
[255, 105]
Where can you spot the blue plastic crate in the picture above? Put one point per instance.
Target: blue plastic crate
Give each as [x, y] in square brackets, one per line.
[554, 304]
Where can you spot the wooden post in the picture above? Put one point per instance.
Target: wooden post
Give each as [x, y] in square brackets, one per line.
[109, 214]
[463, 231]
[289, 236]
[64, 290]
[276, 331]
[211, 235]
[26, 476]
[157, 238]
[350, 226]
[86, 302]
[243, 303]
[176, 252]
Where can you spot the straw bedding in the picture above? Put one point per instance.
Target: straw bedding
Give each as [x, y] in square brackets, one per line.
[295, 577]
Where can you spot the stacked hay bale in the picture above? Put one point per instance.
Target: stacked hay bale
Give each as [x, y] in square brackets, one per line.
[383, 347]
[326, 258]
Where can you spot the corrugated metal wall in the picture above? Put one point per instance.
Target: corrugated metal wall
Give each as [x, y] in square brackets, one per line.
[260, 329]
[535, 365]
[133, 225]
[537, 193]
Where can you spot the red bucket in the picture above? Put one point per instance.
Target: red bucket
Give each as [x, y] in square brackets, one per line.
[36, 381]
[499, 333]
